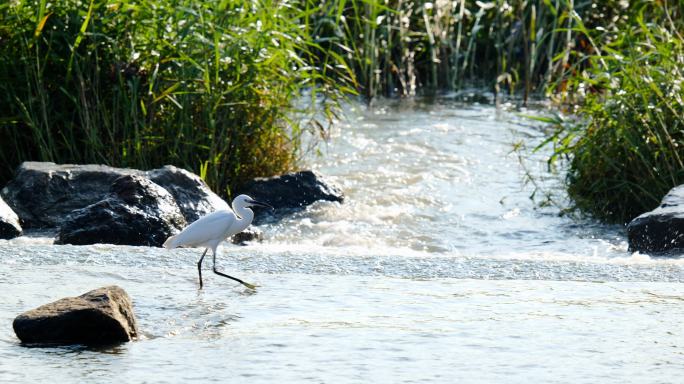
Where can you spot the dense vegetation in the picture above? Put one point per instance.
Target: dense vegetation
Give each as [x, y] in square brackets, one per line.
[626, 145]
[212, 87]
[398, 47]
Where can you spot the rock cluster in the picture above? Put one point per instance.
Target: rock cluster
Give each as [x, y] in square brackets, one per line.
[91, 204]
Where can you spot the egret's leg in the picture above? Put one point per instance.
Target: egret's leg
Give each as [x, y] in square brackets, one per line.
[199, 266]
[248, 285]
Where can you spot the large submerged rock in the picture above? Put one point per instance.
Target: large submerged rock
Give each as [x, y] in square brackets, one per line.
[102, 316]
[660, 231]
[9, 222]
[42, 194]
[136, 212]
[292, 191]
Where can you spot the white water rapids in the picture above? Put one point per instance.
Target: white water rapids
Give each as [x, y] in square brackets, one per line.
[437, 268]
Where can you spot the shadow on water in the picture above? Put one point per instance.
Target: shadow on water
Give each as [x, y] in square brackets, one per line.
[75, 349]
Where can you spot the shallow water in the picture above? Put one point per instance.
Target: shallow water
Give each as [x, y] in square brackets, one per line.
[437, 268]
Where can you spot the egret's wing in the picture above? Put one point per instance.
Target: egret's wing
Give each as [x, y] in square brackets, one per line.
[207, 228]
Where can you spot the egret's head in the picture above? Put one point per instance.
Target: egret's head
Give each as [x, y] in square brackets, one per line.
[246, 201]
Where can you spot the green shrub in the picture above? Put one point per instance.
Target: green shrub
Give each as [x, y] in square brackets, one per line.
[214, 87]
[626, 150]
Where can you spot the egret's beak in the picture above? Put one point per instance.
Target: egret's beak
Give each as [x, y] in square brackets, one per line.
[260, 204]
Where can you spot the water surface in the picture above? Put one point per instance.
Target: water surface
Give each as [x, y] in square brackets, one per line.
[437, 268]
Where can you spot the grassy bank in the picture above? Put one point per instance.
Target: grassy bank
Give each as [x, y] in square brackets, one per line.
[626, 145]
[216, 87]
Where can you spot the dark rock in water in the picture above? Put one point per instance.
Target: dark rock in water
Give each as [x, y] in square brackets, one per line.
[292, 191]
[250, 234]
[660, 231]
[102, 316]
[136, 212]
[192, 194]
[42, 194]
[9, 222]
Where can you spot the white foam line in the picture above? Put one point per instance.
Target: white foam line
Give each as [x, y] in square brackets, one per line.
[612, 257]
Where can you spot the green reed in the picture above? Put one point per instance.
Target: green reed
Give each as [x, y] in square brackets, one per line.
[216, 87]
[625, 146]
[402, 47]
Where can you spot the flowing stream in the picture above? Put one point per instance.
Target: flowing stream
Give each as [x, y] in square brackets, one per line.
[437, 268]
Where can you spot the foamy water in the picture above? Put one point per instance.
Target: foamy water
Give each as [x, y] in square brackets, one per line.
[437, 268]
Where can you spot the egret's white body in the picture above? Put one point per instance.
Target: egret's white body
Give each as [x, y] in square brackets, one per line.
[210, 230]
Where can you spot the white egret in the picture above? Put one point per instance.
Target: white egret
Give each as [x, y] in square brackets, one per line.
[210, 230]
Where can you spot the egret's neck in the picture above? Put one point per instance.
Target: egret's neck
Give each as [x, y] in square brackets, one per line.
[244, 217]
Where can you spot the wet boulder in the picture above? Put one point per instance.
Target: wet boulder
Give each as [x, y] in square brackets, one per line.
[252, 233]
[660, 231]
[102, 316]
[136, 212]
[193, 196]
[43, 194]
[9, 222]
[292, 191]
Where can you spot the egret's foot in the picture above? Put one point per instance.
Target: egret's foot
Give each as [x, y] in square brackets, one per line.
[250, 286]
